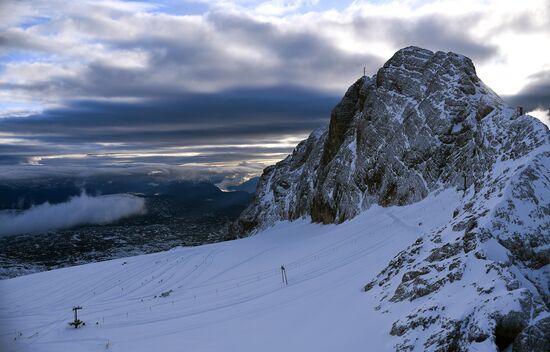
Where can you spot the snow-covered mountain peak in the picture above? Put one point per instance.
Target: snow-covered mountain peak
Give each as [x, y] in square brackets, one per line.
[424, 121]
[416, 73]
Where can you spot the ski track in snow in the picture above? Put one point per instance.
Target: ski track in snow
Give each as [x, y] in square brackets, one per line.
[221, 290]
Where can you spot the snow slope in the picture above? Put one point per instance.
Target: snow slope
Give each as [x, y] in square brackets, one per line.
[227, 296]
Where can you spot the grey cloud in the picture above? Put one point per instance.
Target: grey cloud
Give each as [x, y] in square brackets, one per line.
[8, 159]
[196, 56]
[225, 127]
[187, 54]
[434, 32]
[518, 23]
[78, 210]
[188, 119]
[158, 171]
[442, 34]
[534, 95]
[265, 79]
[14, 39]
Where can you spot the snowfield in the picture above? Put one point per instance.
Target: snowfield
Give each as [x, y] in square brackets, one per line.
[227, 296]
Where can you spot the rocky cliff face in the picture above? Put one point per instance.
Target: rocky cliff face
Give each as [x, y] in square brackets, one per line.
[482, 281]
[424, 123]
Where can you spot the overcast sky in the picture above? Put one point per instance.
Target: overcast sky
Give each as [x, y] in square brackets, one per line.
[226, 86]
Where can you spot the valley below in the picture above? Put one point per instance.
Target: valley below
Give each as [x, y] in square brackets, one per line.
[227, 296]
[169, 221]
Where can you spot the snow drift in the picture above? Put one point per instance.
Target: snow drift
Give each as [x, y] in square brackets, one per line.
[79, 210]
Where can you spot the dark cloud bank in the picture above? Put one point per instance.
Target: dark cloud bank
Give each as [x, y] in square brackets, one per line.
[228, 126]
[267, 80]
[536, 94]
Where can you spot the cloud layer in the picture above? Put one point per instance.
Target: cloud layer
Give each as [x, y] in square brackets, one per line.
[217, 83]
[78, 210]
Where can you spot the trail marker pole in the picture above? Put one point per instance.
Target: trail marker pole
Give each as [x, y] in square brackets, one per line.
[283, 275]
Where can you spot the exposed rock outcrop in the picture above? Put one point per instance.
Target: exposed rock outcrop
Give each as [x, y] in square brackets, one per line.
[489, 265]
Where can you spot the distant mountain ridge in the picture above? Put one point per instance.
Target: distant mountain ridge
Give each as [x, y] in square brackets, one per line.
[424, 123]
[247, 186]
[22, 194]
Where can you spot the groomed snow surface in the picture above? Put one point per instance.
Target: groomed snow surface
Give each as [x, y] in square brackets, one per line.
[227, 296]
